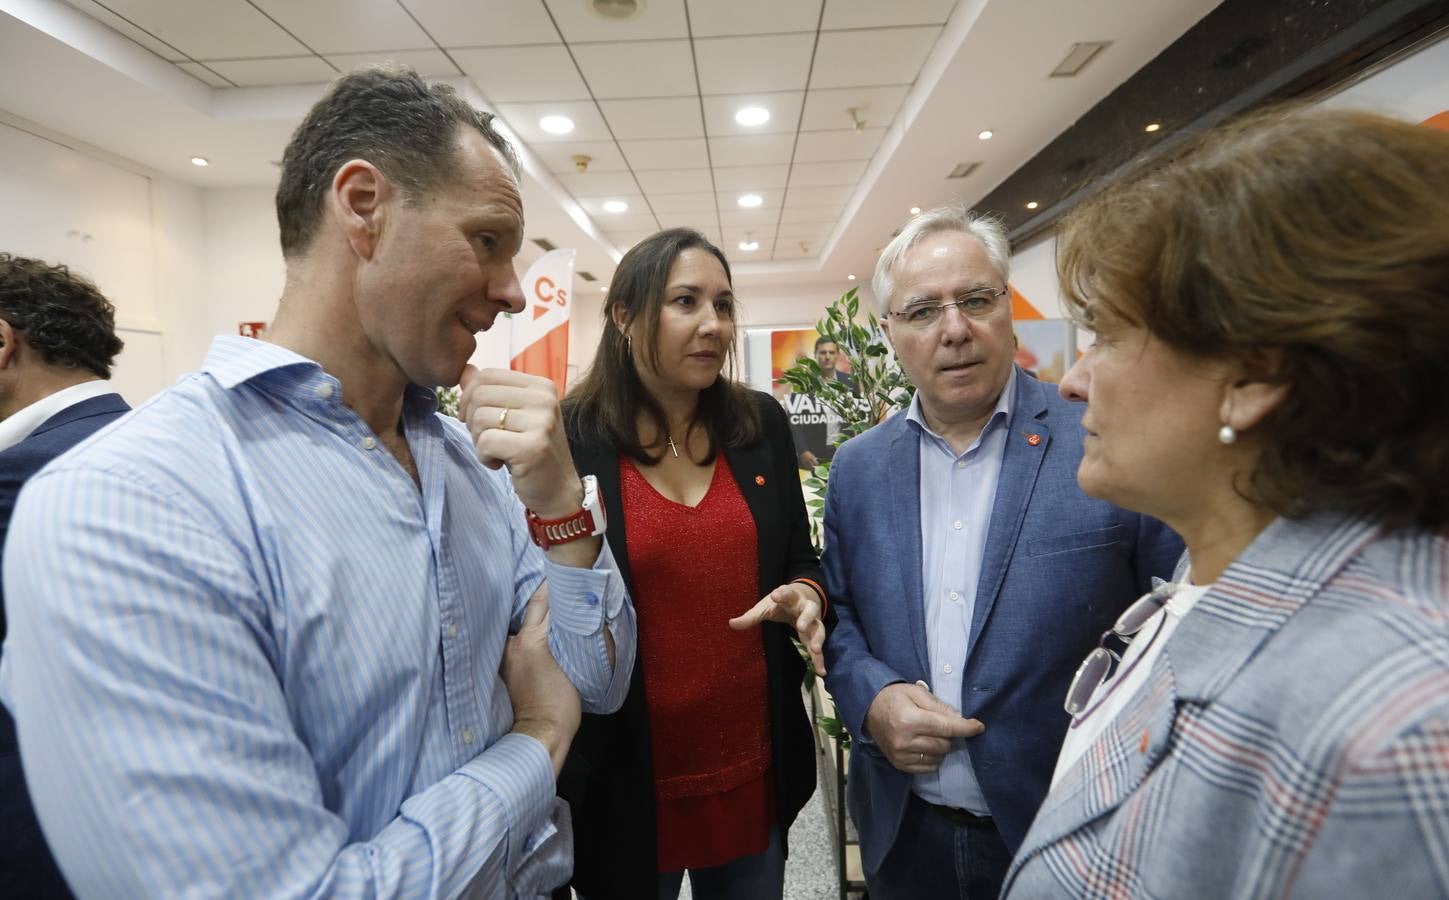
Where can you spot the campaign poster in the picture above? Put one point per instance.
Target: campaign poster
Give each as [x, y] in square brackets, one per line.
[813, 425]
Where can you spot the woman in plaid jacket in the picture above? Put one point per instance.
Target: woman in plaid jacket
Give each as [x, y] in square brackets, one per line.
[1272, 321]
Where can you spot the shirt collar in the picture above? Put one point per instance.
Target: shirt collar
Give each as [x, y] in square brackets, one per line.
[234, 360]
[1005, 404]
[22, 424]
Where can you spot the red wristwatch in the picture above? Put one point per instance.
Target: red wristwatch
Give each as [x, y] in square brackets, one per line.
[587, 522]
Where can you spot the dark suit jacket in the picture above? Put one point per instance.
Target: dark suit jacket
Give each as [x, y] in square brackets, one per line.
[1058, 568]
[608, 779]
[26, 867]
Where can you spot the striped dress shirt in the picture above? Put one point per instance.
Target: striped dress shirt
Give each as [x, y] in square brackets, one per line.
[250, 657]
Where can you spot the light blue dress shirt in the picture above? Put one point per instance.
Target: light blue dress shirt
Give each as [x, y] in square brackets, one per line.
[250, 658]
[957, 495]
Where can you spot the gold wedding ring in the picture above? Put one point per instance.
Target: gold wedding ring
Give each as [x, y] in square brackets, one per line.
[503, 417]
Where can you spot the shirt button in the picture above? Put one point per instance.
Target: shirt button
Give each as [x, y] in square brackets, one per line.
[960, 463]
[467, 735]
[592, 599]
[368, 443]
[955, 596]
[324, 391]
[946, 668]
[957, 525]
[452, 631]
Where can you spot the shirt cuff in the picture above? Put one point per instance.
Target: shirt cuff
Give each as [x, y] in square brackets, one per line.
[518, 771]
[581, 600]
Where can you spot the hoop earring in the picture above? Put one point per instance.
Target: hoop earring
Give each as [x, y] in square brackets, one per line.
[1227, 435]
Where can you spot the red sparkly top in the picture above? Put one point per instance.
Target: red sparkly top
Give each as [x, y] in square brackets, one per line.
[694, 569]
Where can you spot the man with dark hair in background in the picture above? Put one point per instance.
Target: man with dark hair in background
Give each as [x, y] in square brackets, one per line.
[266, 620]
[57, 342]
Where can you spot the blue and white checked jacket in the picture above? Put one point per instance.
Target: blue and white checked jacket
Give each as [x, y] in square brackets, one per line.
[1292, 740]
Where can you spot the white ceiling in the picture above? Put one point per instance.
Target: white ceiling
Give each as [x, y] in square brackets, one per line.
[652, 97]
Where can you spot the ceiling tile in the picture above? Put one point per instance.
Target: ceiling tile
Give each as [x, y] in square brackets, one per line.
[428, 63]
[268, 72]
[828, 109]
[636, 219]
[594, 206]
[523, 119]
[627, 238]
[749, 218]
[604, 156]
[814, 215]
[140, 36]
[609, 185]
[818, 196]
[743, 65]
[730, 199]
[733, 234]
[784, 109]
[752, 150]
[693, 202]
[348, 26]
[687, 153]
[836, 146]
[711, 18]
[645, 69]
[522, 74]
[814, 231]
[210, 29]
[790, 248]
[677, 181]
[874, 14]
[825, 174]
[878, 56]
[655, 19]
[484, 23]
[666, 117]
[205, 74]
[734, 178]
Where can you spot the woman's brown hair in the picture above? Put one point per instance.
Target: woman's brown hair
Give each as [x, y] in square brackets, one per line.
[1319, 240]
[605, 404]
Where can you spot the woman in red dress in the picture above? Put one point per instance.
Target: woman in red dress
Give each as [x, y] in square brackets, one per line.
[712, 755]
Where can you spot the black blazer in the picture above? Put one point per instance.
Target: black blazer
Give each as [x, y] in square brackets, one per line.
[608, 779]
[26, 867]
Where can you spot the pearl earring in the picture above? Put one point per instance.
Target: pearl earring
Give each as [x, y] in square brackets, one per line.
[1227, 435]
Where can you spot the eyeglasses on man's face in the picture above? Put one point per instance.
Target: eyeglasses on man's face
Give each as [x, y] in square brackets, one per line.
[975, 305]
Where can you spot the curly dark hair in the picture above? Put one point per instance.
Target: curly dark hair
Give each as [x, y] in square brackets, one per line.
[389, 116]
[1318, 238]
[64, 317]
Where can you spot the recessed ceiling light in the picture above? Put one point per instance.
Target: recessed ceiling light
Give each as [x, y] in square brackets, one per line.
[1033, 205]
[751, 116]
[915, 210]
[200, 161]
[749, 245]
[850, 278]
[750, 201]
[1152, 127]
[615, 206]
[556, 124]
[985, 135]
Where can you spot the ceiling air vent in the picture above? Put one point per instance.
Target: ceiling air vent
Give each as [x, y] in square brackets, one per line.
[964, 169]
[1077, 58]
[587, 276]
[545, 243]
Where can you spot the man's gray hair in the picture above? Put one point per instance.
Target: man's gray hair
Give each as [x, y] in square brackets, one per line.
[986, 229]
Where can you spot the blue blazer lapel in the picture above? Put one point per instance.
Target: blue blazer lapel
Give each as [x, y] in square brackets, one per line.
[904, 498]
[1020, 463]
[106, 404]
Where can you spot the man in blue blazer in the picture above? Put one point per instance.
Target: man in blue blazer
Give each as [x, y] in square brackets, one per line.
[969, 575]
[57, 342]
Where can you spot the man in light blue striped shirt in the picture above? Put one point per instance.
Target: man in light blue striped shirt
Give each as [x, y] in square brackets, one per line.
[260, 631]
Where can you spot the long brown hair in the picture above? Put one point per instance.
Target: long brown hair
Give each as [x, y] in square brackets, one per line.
[605, 404]
[1319, 238]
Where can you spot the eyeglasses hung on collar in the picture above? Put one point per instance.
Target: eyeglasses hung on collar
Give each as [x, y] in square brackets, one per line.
[1098, 665]
[975, 305]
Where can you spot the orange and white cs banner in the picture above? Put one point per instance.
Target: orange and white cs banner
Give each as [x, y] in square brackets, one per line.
[539, 341]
